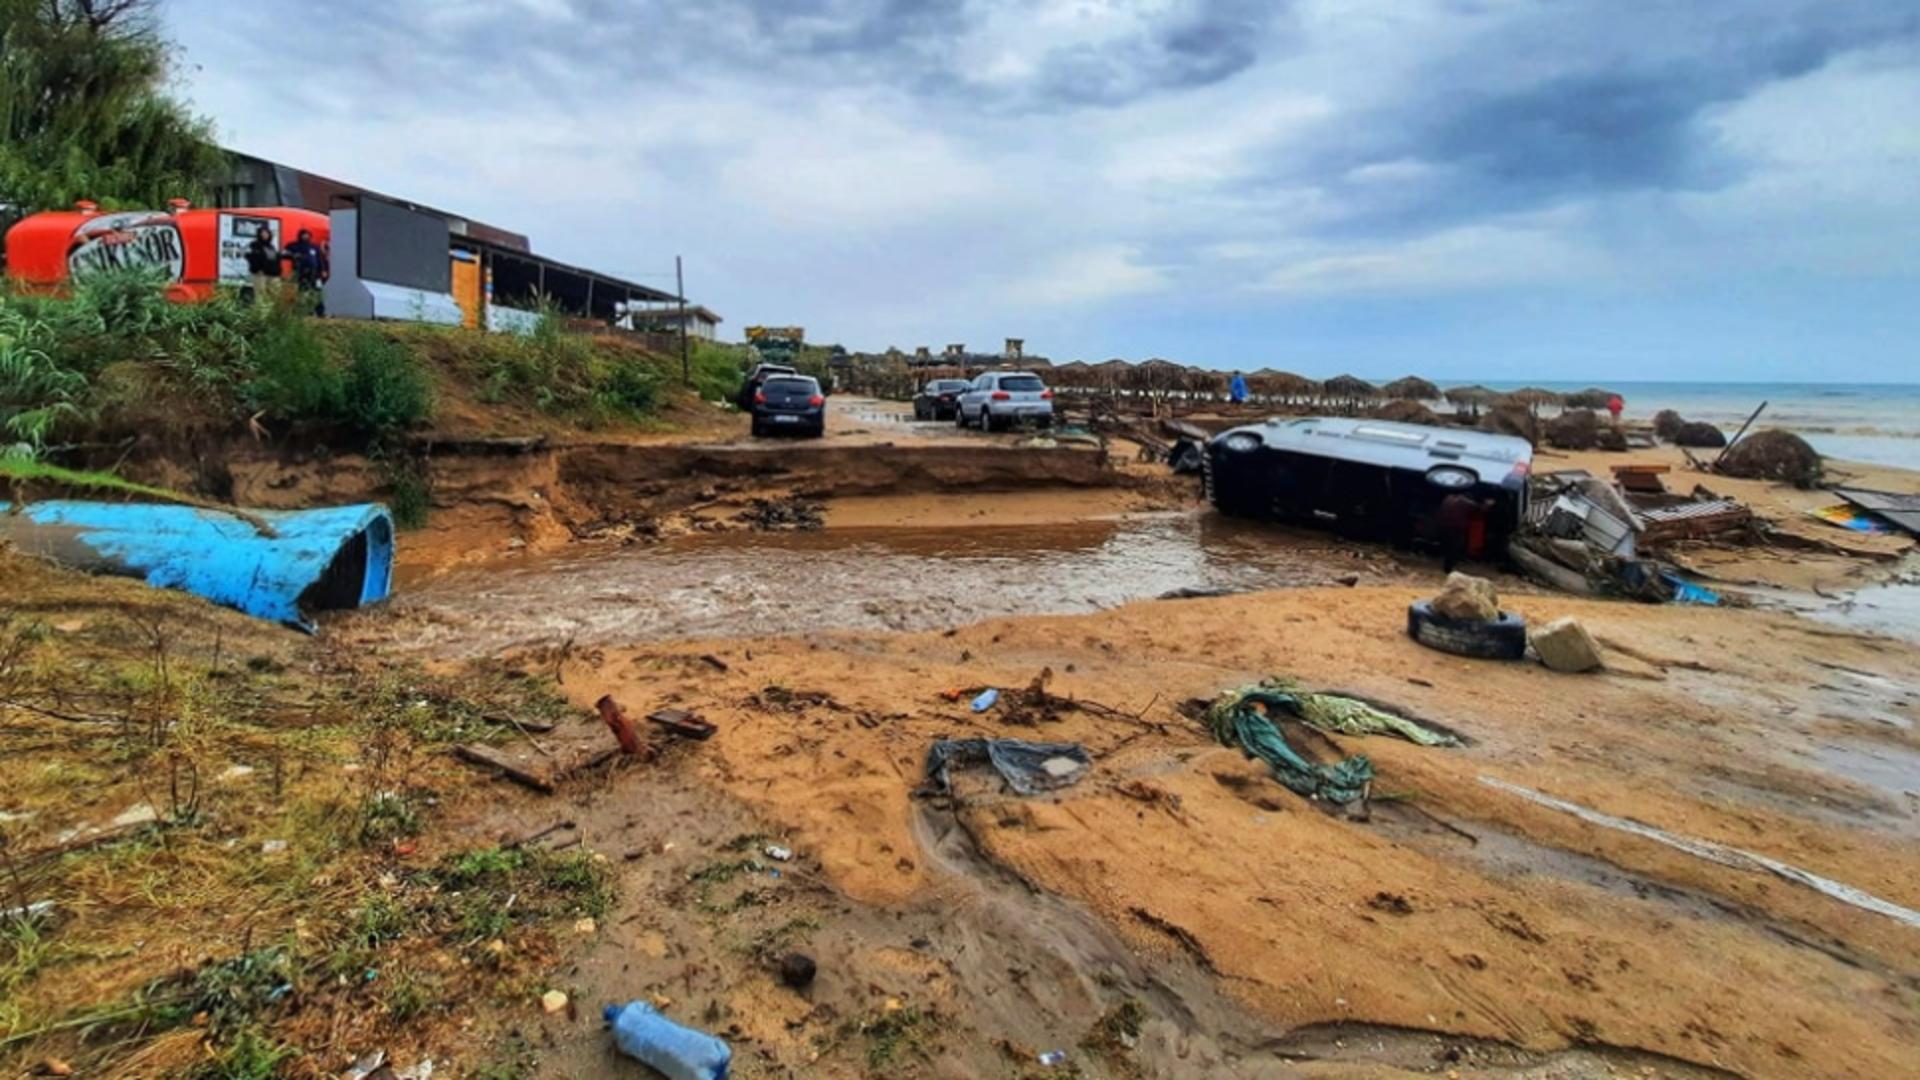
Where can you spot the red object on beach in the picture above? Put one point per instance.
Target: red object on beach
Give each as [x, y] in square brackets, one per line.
[617, 722]
[1616, 405]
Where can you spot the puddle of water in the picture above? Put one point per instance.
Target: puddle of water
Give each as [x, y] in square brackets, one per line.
[729, 584]
[1891, 769]
[1892, 609]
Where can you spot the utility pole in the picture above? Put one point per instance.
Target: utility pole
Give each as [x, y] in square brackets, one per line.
[680, 288]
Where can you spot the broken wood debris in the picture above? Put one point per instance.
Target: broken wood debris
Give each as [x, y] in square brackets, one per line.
[683, 723]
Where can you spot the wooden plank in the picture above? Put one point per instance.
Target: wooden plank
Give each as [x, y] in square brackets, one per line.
[487, 757]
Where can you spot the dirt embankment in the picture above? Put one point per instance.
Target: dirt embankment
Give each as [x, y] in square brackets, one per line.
[490, 499]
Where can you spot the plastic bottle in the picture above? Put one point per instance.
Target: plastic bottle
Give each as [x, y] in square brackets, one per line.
[679, 1053]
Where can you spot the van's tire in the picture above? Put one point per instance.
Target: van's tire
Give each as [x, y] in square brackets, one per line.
[1504, 638]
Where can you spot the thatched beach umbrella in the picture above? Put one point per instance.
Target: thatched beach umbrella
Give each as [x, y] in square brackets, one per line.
[1113, 374]
[1203, 381]
[1077, 375]
[1472, 395]
[1270, 383]
[1158, 375]
[1531, 398]
[1348, 388]
[1412, 388]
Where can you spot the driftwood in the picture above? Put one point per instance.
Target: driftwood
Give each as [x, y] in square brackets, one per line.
[493, 759]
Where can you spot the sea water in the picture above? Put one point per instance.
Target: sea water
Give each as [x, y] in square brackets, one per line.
[1871, 423]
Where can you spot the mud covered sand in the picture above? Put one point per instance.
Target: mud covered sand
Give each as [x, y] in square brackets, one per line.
[1458, 908]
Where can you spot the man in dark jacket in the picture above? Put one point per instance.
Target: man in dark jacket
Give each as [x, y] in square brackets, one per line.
[310, 269]
[263, 264]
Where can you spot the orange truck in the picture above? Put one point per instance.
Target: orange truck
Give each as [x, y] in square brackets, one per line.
[199, 250]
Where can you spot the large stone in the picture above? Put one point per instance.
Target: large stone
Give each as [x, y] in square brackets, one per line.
[1467, 597]
[1565, 645]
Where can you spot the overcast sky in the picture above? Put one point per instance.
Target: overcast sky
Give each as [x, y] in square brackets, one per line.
[1722, 189]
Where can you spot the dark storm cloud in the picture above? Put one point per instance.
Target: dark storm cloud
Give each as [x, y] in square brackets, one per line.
[1211, 42]
[913, 46]
[1583, 100]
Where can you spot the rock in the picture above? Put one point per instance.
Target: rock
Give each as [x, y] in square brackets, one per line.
[1667, 423]
[234, 772]
[553, 1001]
[55, 1067]
[585, 926]
[1565, 645]
[797, 970]
[1467, 597]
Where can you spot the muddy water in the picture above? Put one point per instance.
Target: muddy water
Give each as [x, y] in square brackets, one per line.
[729, 584]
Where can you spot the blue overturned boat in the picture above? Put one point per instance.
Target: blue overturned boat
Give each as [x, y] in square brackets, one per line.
[281, 565]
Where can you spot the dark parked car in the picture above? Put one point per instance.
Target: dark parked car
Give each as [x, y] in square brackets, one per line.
[760, 374]
[939, 399]
[789, 403]
[1369, 478]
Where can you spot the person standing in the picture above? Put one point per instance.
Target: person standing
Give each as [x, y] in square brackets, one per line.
[1237, 389]
[310, 266]
[263, 265]
[1615, 406]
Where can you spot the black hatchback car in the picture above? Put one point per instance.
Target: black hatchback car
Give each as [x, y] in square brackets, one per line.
[939, 399]
[790, 403]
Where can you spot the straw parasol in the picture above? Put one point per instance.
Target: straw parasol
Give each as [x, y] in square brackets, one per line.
[1475, 396]
[1270, 383]
[1531, 398]
[1591, 398]
[1348, 388]
[1412, 388]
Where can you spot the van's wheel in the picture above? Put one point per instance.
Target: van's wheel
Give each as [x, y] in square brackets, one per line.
[1504, 638]
[959, 416]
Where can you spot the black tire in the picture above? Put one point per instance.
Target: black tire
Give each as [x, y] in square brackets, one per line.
[1504, 638]
[959, 417]
[987, 422]
[758, 431]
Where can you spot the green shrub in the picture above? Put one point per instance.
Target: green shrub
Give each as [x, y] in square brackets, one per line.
[630, 387]
[293, 377]
[385, 391]
[717, 369]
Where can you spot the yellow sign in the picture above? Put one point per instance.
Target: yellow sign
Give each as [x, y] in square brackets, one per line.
[778, 333]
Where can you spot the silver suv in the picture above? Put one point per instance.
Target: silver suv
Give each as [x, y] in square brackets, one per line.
[1000, 399]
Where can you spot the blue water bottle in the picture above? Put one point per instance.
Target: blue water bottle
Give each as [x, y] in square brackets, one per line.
[679, 1053]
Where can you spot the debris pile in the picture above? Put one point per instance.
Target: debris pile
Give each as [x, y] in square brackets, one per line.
[1246, 718]
[1575, 429]
[793, 514]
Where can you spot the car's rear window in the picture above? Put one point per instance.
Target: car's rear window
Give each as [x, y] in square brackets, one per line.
[951, 384]
[1022, 383]
[794, 386]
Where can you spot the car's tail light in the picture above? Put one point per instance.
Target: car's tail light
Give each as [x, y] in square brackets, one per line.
[816, 401]
[759, 397]
[1046, 395]
[1002, 395]
[1520, 471]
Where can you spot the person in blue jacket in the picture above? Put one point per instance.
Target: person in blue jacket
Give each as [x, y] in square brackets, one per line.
[1237, 389]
